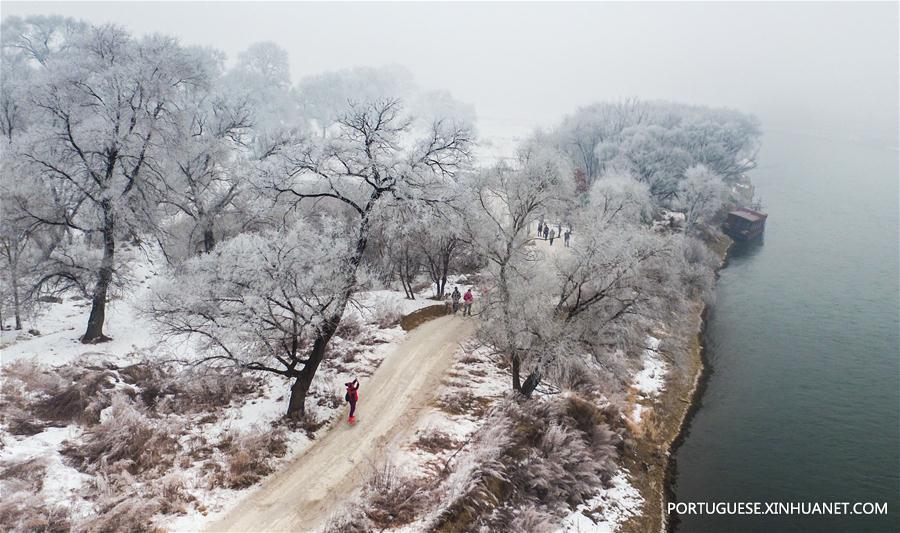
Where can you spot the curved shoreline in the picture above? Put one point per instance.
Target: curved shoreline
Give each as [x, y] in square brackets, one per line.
[701, 380]
[668, 523]
[650, 462]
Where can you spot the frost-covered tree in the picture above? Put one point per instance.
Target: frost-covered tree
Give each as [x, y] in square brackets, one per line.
[399, 232]
[700, 194]
[102, 106]
[324, 97]
[582, 132]
[620, 199]
[369, 162]
[503, 203]
[39, 37]
[20, 253]
[266, 60]
[259, 300]
[441, 244]
[261, 80]
[208, 167]
[657, 142]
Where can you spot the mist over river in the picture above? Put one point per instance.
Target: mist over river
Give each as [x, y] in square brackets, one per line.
[803, 400]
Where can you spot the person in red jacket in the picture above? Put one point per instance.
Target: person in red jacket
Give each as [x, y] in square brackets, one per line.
[468, 298]
[352, 396]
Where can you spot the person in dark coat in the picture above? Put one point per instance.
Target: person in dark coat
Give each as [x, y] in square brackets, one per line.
[455, 296]
[540, 227]
[552, 236]
[566, 237]
[546, 232]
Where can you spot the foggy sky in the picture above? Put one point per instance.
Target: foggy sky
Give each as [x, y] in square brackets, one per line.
[827, 68]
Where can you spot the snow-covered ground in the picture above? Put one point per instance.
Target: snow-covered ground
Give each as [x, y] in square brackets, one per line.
[612, 506]
[134, 341]
[56, 345]
[651, 379]
[608, 509]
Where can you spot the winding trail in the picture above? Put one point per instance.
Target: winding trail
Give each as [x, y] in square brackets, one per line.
[304, 493]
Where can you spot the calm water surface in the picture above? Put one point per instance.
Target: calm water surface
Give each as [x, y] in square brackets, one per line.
[803, 403]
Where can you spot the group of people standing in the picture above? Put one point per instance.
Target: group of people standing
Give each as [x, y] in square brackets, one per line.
[544, 230]
[468, 298]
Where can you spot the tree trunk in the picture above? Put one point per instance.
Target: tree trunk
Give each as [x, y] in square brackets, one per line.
[209, 239]
[531, 383]
[516, 367]
[508, 330]
[16, 304]
[94, 333]
[300, 388]
[14, 282]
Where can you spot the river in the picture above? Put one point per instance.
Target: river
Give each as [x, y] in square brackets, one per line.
[802, 403]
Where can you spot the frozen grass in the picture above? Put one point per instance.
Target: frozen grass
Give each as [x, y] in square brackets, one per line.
[111, 422]
[249, 456]
[435, 441]
[543, 456]
[127, 439]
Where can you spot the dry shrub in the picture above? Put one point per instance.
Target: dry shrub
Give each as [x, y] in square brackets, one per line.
[122, 504]
[328, 393]
[29, 473]
[350, 520]
[170, 390]
[249, 456]
[194, 391]
[461, 402]
[23, 510]
[371, 340]
[572, 373]
[556, 454]
[350, 328]
[32, 375]
[420, 286]
[436, 441]
[529, 518]
[132, 513]
[21, 422]
[86, 394]
[350, 355]
[386, 500]
[173, 494]
[75, 392]
[387, 313]
[470, 358]
[128, 439]
[392, 499]
[21, 507]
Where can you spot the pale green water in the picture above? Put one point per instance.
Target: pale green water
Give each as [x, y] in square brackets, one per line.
[803, 403]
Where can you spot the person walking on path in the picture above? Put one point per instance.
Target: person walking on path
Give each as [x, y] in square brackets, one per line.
[552, 236]
[540, 227]
[567, 236]
[559, 230]
[468, 298]
[546, 231]
[456, 296]
[352, 396]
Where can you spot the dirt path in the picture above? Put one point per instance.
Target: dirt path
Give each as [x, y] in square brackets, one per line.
[302, 496]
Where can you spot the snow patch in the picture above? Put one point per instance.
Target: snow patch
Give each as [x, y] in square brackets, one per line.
[608, 509]
[651, 379]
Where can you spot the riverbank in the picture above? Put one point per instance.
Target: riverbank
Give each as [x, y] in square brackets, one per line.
[649, 458]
